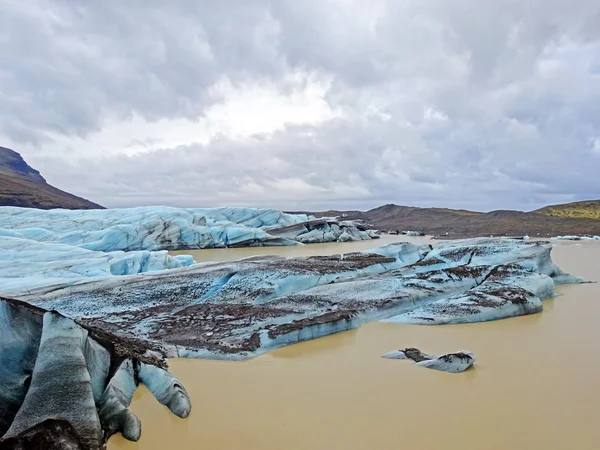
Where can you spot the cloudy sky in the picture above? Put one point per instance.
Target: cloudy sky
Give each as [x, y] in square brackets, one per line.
[306, 103]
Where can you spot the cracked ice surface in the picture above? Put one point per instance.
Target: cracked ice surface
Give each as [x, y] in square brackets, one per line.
[239, 309]
[167, 228]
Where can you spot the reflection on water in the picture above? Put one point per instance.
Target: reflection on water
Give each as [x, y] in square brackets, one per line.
[535, 386]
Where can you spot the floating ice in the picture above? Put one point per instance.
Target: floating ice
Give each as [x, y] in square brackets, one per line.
[240, 309]
[577, 238]
[413, 233]
[450, 362]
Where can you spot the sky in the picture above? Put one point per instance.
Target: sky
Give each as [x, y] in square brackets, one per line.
[306, 104]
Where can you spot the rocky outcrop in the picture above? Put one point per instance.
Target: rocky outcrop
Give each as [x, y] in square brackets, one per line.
[68, 386]
[450, 362]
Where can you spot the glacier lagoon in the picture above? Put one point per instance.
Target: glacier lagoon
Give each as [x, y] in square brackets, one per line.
[241, 309]
[531, 387]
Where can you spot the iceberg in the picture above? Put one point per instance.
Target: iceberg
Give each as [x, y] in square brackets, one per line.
[63, 382]
[576, 238]
[413, 233]
[450, 362]
[240, 309]
[166, 228]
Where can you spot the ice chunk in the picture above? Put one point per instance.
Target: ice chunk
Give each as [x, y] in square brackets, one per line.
[413, 233]
[117, 396]
[577, 238]
[450, 362]
[59, 386]
[166, 388]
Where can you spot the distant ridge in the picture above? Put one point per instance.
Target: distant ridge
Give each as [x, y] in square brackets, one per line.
[22, 185]
[572, 218]
[589, 209]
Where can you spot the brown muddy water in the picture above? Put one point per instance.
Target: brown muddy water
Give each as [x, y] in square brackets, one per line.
[535, 385]
[230, 254]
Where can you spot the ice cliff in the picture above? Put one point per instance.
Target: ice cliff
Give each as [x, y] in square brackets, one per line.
[65, 386]
[166, 228]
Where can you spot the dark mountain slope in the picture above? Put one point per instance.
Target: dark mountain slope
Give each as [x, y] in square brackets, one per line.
[463, 223]
[22, 185]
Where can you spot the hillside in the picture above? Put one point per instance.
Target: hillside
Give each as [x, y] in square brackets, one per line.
[463, 223]
[22, 185]
[577, 210]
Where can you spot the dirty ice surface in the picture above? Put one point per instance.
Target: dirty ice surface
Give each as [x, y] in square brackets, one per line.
[240, 309]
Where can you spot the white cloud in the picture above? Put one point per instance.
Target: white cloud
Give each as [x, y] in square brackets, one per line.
[242, 111]
[596, 146]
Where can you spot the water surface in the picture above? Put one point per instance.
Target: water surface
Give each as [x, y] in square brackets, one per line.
[535, 384]
[230, 254]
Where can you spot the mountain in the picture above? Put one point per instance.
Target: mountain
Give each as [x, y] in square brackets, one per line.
[574, 218]
[22, 185]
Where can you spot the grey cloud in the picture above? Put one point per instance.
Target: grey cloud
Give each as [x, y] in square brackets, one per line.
[229, 172]
[67, 66]
[515, 85]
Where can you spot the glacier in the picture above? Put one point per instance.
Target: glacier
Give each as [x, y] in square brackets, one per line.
[166, 228]
[31, 264]
[65, 385]
[240, 309]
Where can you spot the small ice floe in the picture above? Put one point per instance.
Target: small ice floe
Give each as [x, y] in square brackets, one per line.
[450, 362]
[585, 237]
